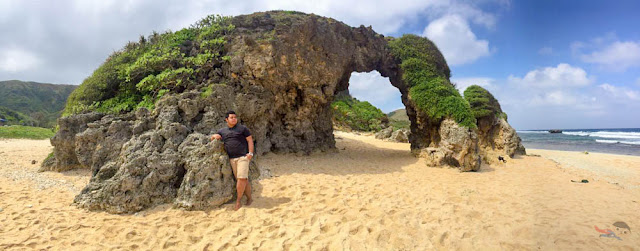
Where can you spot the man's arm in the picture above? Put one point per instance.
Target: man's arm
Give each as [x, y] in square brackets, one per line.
[216, 136]
[250, 141]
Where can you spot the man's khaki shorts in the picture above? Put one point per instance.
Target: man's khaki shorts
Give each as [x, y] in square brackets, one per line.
[240, 167]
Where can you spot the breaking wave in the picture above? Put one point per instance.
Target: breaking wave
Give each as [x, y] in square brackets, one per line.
[526, 131]
[607, 134]
[617, 142]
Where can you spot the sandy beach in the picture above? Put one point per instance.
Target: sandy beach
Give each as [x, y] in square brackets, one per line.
[369, 195]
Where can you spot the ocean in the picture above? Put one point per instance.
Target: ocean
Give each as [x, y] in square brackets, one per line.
[617, 141]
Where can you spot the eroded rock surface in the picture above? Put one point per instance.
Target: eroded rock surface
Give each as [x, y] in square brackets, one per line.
[498, 138]
[283, 73]
[457, 147]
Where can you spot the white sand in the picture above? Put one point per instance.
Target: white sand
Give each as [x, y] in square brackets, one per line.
[373, 195]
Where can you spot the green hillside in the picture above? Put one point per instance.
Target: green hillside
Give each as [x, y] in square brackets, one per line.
[398, 119]
[400, 115]
[31, 103]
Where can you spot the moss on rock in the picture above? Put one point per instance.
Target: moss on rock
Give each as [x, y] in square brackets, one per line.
[482, 103]
[427, 75]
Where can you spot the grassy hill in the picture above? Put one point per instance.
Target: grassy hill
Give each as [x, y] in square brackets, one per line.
[31, 103]
[399, 119]
[400, 114]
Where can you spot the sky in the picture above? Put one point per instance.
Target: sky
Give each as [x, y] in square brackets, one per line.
[550, 64]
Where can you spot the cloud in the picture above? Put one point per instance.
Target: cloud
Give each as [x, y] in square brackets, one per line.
[618, 56]
[463, 83]
[376, 89]
[608, 52]
[556, 97]
[564, 75]
[17, 60]
[71, 38]
[455, 40]
[545, 51]
[619, 94]
[563, 86]
[467, 11]
[565, 96]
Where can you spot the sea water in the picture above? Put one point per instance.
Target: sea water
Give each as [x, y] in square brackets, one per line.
[617, 141]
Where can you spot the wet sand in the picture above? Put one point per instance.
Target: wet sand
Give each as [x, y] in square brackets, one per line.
[369, 195]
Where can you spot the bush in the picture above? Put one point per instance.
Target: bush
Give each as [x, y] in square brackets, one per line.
[357, 115]
[482, 103]
[134, 76]
[427, 75]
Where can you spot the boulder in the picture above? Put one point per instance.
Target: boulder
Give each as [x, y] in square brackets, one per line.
[457, 148]
[208, 180]
[64, 142]
[400, 135]
[498, 138]
[384, 133]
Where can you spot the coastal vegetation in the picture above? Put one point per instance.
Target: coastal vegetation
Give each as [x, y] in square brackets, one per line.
[25, 132]
[357, 115]
[482, 103]
[427, 76]
[143, 71]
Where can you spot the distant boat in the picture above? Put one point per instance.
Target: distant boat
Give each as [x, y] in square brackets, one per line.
[555, 131]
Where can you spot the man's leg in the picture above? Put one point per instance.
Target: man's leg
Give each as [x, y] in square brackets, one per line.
[240, 186]
[247, 191]
[243, 180]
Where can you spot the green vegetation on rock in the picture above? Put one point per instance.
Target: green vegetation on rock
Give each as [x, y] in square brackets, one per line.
[427, 75]
[482, 103]
[357, 115]
[142, 72]
[25, 132]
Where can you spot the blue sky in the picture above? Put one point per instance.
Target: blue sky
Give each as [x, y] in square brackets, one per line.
[551, 64]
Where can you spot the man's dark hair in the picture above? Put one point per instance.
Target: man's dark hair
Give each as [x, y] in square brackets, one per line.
[229, 112]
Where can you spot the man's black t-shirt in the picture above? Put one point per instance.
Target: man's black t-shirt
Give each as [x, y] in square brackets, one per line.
[235, 140]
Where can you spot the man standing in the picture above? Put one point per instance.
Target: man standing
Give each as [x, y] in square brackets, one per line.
[239, 146]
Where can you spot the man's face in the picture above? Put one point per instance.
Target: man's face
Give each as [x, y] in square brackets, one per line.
[232, 120]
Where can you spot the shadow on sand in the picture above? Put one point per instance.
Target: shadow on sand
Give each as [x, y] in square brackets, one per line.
[349, 158]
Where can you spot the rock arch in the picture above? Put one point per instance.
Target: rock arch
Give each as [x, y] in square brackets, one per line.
[283, 73]
[310, 61]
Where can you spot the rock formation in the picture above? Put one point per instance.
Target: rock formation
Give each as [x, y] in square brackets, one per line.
[282, 74]
[495, 136]
[400, 135]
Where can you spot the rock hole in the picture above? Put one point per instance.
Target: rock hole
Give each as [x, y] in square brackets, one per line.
[179, 176]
